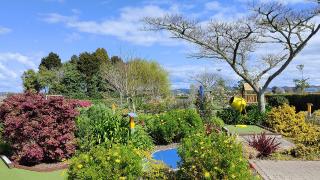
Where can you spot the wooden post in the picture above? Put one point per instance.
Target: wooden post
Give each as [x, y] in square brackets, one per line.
[309, 109]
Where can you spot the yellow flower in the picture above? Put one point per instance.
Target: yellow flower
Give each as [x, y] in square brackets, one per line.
[206, 174]
[123, 178]
[195, 151]
[79, 166]
[117, 160]
[193, 167]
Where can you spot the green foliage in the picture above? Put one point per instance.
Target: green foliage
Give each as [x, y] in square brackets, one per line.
[72, 82]
[299, 101]
[286, 121]
[141, 139]
[101, 55]
[230, 116]
[30, 81]
[171, 126]
[275, 101]
[98, 125]
[52, 61]
[204, 106]
[214, 156]
[252, 117]
[117, 162]
[216, 121]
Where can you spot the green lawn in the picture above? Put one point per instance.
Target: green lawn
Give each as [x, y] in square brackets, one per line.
[250, 129]
[20, 174]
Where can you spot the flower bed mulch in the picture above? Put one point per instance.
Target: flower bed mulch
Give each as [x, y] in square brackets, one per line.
[44, 167]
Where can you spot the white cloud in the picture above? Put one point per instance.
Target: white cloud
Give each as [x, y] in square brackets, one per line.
[7, 72]
[4, 30]
[12, 66]
[25, 60]
[213, 5]
[291, 2]
[72, 37]
[127, 27]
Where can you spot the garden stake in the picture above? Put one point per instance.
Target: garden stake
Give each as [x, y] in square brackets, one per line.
[309, 108]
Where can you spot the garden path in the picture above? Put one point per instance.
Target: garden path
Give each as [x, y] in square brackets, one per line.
[285, 170]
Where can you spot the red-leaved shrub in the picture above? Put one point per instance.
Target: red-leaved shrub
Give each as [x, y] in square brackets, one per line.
[81, 103]
[263, 144]
[38, 129]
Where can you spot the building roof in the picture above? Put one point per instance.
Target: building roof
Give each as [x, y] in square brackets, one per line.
[247, 87]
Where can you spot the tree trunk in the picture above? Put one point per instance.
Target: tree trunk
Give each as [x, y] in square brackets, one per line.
[261, 101]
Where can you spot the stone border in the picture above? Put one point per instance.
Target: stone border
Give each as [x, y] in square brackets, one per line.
[36, 168]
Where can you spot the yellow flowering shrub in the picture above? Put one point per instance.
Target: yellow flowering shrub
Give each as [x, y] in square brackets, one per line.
[286, 121]
[116, 162]
[213, 156]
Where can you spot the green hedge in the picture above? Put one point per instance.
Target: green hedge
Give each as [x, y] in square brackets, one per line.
[300, 101]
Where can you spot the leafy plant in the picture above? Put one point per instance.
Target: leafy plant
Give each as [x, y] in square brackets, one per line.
[38, 129]
[286, 121]
[253, 115]
[275, 101]
[216, 121]
[98, 124]
[173, 125]
[116, 162]
[214, 156]
[264, 144]
[230, 116]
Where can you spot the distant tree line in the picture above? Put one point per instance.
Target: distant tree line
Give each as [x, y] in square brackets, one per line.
[95, 75]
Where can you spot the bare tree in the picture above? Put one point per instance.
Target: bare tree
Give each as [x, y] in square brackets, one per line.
[236, 43]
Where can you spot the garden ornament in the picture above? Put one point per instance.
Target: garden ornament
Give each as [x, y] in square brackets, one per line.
[238, 103]
[201, 92]
[131, 123]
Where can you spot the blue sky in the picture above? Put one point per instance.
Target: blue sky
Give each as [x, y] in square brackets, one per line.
[31, 29]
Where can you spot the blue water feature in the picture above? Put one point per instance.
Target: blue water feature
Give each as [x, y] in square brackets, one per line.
[168, 156]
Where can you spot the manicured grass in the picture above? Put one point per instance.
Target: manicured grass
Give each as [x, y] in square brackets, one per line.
[250, 129]
[20, 174]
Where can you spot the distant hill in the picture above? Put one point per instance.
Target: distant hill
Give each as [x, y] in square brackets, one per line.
[182, 91]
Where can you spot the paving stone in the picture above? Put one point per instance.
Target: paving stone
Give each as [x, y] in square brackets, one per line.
[287, 170]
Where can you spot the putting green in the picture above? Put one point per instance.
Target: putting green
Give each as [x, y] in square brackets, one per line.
[21, 174]
[249, 129]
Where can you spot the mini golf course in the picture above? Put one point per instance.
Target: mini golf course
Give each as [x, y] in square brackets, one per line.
[245, 129]
[21, 174]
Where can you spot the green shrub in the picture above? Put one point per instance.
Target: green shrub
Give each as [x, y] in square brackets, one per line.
[141, 139]
[172, 126]
[299, 101]
[98, 124]
[216, 156]
[278, 100]
[216, 121]
[286, 121]
[253, 115]
[230, 116]
[117, 162]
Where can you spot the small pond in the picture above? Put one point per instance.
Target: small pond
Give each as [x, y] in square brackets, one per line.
[168, 156]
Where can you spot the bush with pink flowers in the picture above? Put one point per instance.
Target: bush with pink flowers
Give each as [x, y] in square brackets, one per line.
[38, 129]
